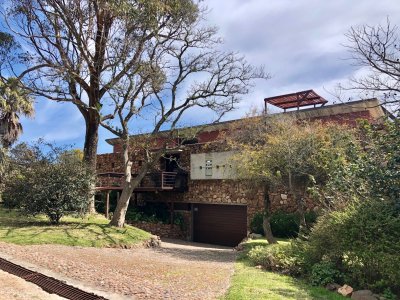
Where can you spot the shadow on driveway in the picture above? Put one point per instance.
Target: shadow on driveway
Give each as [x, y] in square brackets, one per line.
[196, 251]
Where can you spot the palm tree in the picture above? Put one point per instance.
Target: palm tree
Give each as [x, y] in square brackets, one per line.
[14, 101]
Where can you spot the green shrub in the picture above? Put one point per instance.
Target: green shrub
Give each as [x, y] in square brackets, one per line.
[52, 182]
[362, 241]
[154, 213]
[283, 224]
[324, 273]
[277, 257]
[256, 224]
[389, 295]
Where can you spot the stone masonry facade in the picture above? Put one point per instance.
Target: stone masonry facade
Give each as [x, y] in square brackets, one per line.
[226, 192]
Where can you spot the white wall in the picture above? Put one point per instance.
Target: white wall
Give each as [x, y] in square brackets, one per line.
[214, 165]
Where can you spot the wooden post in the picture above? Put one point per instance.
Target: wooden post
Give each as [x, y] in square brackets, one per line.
[107, 204]
[172, 213]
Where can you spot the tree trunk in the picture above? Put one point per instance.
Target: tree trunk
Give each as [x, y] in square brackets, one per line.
[129, 185]
[267, 229]
[267, 217]
[300, 208]
[92, 121]
[294, 189]
[118, 218]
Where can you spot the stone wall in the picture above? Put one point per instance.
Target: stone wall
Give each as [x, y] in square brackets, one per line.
[227, 192]
[282, 201]
[162, 230]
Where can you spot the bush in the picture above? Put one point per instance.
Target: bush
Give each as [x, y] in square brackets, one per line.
[362, 241]
[154, 212]
[277, 257]
[51, 183]
[283, 224]
[256, 224]
[324, 273]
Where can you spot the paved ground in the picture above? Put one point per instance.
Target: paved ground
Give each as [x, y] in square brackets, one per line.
[15, 288]
[177, 270]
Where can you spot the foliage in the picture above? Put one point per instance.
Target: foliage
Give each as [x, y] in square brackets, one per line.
[360, 233]
[388, 294]
[381, 168]
[138, 216]
[14, 101]
[277, 257]
[153, 213]
[252, 283]
[92, 231]
[46, 182]
[362, 241]
[373, 172]
[256, 223]
[324, 273]
[283, 224]
[295, 155]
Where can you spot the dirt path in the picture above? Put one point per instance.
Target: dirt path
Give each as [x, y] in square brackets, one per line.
[177, 270]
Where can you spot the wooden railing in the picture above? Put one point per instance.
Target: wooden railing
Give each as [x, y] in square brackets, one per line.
[151, 181]
[168, 180]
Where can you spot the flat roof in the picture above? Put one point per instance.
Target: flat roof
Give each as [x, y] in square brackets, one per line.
[333, 109]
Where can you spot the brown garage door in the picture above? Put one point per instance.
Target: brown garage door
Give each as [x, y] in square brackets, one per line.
[219, 224]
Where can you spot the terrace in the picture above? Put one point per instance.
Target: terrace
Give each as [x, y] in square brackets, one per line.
[152, 182]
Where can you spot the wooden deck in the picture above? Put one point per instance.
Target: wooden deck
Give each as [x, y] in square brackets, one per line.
[152, 182]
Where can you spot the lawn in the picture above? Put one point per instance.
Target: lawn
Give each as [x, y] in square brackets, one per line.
[72, 231]
[251, 283]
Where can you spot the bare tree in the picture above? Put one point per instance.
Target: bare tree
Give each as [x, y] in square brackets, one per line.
[377, 49]
[78, 51]
[182, 72]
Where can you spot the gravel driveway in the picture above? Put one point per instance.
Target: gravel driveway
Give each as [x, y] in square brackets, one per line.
[16, 288]
[177, 270]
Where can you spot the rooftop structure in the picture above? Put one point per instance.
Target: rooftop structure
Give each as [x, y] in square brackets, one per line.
[295, 100]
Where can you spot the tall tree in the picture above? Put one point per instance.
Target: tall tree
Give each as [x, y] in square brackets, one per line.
[183, 71]
[78, 51]
[377, 49]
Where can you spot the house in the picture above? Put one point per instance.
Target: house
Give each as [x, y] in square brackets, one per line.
[195, 178]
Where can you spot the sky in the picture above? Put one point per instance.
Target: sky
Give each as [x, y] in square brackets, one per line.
[301, 44]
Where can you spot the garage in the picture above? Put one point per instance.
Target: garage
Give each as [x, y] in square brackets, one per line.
[219, 224]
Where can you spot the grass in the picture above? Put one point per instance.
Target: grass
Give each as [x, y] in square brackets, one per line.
[72, 231]
[251, 283]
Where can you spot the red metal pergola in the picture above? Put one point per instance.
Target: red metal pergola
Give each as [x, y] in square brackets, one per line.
[295, 100]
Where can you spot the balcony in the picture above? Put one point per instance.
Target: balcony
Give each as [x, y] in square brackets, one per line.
[152, 182]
